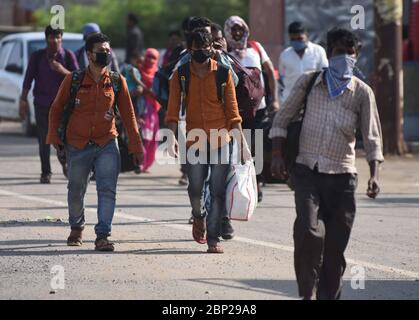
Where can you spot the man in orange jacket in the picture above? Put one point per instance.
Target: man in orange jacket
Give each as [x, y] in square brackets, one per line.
[91, 140]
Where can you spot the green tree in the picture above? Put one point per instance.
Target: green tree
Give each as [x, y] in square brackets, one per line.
[157, 17]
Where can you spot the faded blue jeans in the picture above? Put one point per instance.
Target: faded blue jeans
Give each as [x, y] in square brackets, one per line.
[197, 174]
[106, 161]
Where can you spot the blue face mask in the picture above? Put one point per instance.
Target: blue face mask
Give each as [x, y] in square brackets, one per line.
[342, 67]
[298, 45]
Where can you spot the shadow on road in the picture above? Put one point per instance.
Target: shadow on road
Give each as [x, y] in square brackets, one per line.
[374, 289]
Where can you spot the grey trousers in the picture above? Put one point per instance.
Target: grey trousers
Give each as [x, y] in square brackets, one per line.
[325, 205]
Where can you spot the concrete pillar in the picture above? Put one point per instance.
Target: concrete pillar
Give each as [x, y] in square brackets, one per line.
[267, 25]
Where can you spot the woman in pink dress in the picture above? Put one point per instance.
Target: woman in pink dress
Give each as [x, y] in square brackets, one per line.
[150, 118]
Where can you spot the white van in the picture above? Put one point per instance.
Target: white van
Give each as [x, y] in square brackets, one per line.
[15, 51]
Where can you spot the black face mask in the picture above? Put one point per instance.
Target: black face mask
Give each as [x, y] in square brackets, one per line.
[200, 56]
[103, 59]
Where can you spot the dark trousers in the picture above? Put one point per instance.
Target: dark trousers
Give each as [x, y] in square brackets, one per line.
[254, 124]
[325, 205]
[41, 116]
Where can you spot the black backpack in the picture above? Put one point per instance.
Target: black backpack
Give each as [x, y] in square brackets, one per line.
[184, 73]
[161, 81]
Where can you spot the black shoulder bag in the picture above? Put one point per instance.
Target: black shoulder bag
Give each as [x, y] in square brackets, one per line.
[292, 143]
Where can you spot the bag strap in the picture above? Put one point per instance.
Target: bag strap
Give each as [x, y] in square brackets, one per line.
[238, 64]
[76, 80]
[254, 45]
[116, 86]
[67, 58]
[184, 72]
[308, 91]
[221, 78]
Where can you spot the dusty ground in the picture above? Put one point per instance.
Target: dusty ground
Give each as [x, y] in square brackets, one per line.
[155, 257]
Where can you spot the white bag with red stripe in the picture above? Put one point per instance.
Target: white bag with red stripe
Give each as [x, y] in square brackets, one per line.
[241, 193]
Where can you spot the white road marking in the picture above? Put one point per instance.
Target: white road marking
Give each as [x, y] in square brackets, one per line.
[406, 273]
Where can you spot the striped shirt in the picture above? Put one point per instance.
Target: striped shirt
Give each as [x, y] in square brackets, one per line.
[328, 135]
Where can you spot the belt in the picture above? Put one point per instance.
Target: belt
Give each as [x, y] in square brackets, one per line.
[92, 143]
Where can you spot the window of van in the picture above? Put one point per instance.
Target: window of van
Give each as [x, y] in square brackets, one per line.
[4, 53]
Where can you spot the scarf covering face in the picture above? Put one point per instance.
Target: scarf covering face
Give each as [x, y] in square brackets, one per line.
[149, 67]
[339, 74]
[238, 47]
[148, 70]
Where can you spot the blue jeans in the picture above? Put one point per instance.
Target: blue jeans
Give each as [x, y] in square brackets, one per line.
[106, 161]
[197, 174]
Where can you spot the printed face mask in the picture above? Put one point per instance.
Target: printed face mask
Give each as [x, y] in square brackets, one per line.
[342, 67]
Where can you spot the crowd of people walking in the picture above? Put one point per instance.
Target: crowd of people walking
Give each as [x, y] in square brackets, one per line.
[212, 78]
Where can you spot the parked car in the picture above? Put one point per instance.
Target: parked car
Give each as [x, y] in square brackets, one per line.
[15, 51]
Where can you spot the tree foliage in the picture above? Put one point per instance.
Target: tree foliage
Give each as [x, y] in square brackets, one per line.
[157, 17]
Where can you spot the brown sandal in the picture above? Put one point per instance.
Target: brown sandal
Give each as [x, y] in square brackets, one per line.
[215, 249]
[103, 244]
[75, 238]
[198, 230]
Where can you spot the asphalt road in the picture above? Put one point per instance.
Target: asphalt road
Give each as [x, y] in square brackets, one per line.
[155, 256]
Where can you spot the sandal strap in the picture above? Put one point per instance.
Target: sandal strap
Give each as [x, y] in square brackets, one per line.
[103, 244]
[215, 249]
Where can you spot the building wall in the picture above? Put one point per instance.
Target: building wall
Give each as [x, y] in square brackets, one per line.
[6, 12]
[267, 25]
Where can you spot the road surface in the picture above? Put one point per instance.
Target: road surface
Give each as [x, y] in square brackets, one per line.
[155, 256]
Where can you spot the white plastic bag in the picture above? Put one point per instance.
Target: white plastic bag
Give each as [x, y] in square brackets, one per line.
[241, 193]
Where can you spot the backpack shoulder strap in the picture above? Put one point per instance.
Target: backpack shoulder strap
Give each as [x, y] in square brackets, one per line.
[67, 58]
[308, 90]
[184, 72]
[116, 81]
[254, 45]
[221, 78]
[116, 86]
[76, 80]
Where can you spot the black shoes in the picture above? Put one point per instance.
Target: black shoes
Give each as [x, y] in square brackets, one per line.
[183, 181]
[227, 231]
[45, 178]
[260, 192]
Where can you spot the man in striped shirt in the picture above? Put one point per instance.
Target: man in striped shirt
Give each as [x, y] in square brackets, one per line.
[324, 176]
